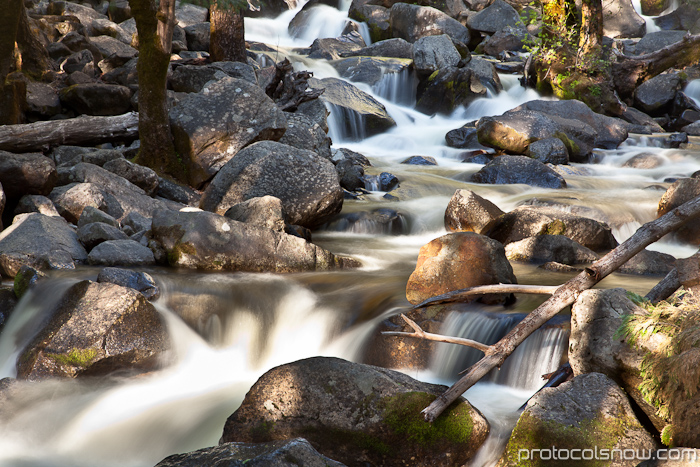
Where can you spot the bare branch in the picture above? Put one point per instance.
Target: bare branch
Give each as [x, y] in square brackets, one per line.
[464, 294]
[420, 334]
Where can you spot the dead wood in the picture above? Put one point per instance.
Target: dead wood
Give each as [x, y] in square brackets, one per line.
[665, 288]
[466, 294]
[420, 334]
[289, 89]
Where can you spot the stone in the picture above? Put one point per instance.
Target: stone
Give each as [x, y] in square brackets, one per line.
[188, 14]
[684, 19]
[113, 46]
[198, 37]
[303, 133]
[411, 22]
[265, 211]
[433, 53]
[43, 242]
[493, 18]
[36, 203]
[519, 169]
[91, 235]
[274, 453]
[192, 78]
[620, 20]
[420, 160]
[177, 192]
[318, 398]
[26, 174]
[210, 127]
[97, 99]
[370, 70]
[469, 212]
[648, 263]
[91, 214]
[654, 41]
[457, 261]
[306, 183]
[395, 47]
[96, 329]
[136, 222]
[549, 248]
[71, 199]
[641, 122]
[332, 48]
[140, 281]
[380, 221]
[382, 182]
[68, 156]
[26, 278]
[8, 301]
[548, 151]
[42, 100]
[508, 39]
[590, 412]
[121, 253]
[350, 175]
[463, 138]
[644, 161]
[143, 177]
[656, 95]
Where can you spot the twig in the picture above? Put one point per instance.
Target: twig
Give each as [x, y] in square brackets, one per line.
[420, 334]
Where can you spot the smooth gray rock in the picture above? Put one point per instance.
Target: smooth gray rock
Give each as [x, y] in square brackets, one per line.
[493, 18]
[91, 235]
[369, 70]
[97, 98]
[71, 199]
[519, 169]
[136, 222]
[303, 133]
[26, 174]
[621, 20]
[140, 281]
[550, 248]
[143, 177]
[198, 36]
[42, 100]
[266, 211]
[188, 14]
[68, 156]
[656, 95]
[395, 48]
[510, 38]
[433, 53]
[469, 212]
[548, 151]
[411, 22]
[36, 203]
[121, 253]
[91, 214]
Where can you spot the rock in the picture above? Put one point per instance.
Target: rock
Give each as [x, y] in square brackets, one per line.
[420, 160]
[380, 221]
[188, 14]
[203, 240]
[395, 47]
[316, 110]
[135, 222]
[109, 28]
[318, 398]
[350, 175]
[8, 301]
[508, 39]
[643, 122]
[42, 242]
[655, 96]
[94, 330]
[620, 20]
[457, 261]
[85, 14]
[69, 156]
[654, 41]
[303, 133]
[644, 161]
[70, 200]
[411, 22]
[469, 212]
[549, 248]
[174, 191]
[370, 70]
[332, 48]
[376, 17]
[143, 177]
[121, 253]
[648, 263]
[382, 182]
[26, 278]
[91, 235]
[433, 53]
[519, 169]
[210, 127]
[684, 19]
[192, 78]
[528, 221]
[266, 211]
[97, 99]
[139, 281]
[463, 138]
[282, 453]
[91, 214]
[493, 18]
[306, 183]
[562, 420]
[26, 174]
[197, 36]
[548, 151]
[36, 203]
[109, 46]
[347, 98]
[682, 191]
[42, 100]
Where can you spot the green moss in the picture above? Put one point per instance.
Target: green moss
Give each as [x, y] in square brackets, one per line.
[262, 432]
[81, 358]
[178, 251]
[433, 75]
[555, 227]
[667, 436]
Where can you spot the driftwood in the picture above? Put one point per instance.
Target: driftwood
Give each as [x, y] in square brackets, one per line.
[464, 294]
[664, 288]
[81, 131]
[289, 89]
[419, 333]
[564, 296]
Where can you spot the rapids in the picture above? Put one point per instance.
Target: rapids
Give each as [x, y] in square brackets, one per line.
[227, 329]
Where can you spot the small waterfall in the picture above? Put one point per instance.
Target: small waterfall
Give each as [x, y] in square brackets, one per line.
[378, 222]
[692, 90]
[541, 353]
[398, 88]
[651, 25]
[345, 124]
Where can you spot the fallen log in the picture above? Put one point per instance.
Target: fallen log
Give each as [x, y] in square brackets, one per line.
[464, 294]
[665, 288]
[80, 131]
[419, 333]
[564, 296]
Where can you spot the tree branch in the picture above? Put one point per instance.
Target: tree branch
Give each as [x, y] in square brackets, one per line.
[420, 334]
[463, 294]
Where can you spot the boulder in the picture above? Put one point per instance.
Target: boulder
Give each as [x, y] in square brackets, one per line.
[97, 99]
[377, 18]
[419, 160]
[197, 36]
[457, 261]
[493, 18]
[26, 174]
[192, 78]
[463, 138]
[306, 183]
[684, 18]
[548, 151]
[411, 22]
[654, 41]
[621, 20]
[529, 221]
[508, 39]
[96, 329]
[655, 96]
[135, 222]
[549, 248]
[71, 199]
[585, 415]
[109, 46]
[124, 253]
[433, 53]
[40, 241]
[91, 235]
[682, 191]
[140, 281]
[274, 453]
[332, 48]
[26, 278]
[644, 161]
[380, 221]
[188, 14]
[350, 175]
[68, 156]
[320, 399]
[382, 182]
[203, 240]
[452, 87]
[91, 214]
[648, 263]
[210, 127]
[303, 133]
[170, 190]
[348, 99]
[369, 70]
[519, 169]
[143, 177]
[109, 28]
[42, 100]
[469, 212]
[393, 48]
[265, 211]
[36, 203]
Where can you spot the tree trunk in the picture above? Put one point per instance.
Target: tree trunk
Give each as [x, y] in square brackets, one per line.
[9, 23]
[563, 297]
[34, 58]
[81, 131]
[155, 29]
[227, 41]
[591, 32]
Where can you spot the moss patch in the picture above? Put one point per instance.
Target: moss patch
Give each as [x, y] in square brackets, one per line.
[81, 358]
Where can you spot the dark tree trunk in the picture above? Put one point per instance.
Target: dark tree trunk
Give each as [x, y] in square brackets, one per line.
[591, 32]
[34, 59]
[227, 41]
[12, 92]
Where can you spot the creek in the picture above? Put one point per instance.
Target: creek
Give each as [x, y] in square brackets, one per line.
[228, 329]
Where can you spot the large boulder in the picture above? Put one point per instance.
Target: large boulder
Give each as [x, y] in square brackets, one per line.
[348, 99]
[654, 41]
[377, 18]
[96, 329]
[26, 174]
[124, 253]
[457, 261]
[469, 212]
[210, 127]
[620, 20]
[411, 22]
[495, 17]
[529, 221]
[433, 53]
[546, 248]
[304, 133]
[143, 177]
[141, 281]
[682, 191]
[203, 240]
[265, 211]
[97, 98]
[357, 414]
[585, 415]
[370, 70]
[519, 169]
[70, 200]
[94, 233]
[655, 96]
[393, 48]
[43, 242]
[306, 183]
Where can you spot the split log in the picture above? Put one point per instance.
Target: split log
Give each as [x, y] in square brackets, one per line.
[464, 294]
[564, 296]
[81, 131]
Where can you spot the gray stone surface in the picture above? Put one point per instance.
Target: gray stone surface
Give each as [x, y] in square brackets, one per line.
[493, 18]
[411, 22]
[265, 211]
[432, 53]
[519, 169]
[140, 281]
[121, 253]
[550, 248]
[91, 235]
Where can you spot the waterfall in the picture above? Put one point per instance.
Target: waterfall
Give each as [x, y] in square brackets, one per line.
[399, 88]
[345, 124]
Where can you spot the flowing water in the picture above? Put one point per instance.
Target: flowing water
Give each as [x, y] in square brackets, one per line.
[228, 329]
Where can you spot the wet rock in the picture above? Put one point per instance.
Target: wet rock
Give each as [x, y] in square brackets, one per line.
[303, 133]
[143, 177]
[494, 18]
[565, 416]
[316, 111]
[369, 70]
[36, 203]
[210, 127]
[457, 261]
[549, 248]
[203, 240]
[654, 41]
[469, 212]
[641, 122]
[275, 453]
[379, 221]
[323, 409]
[682, 191]
[187, 14]
[620, 20]
[26, 278]
[333, 48]
[655, 96]
[528, 221]
[306, 183]
[382, 182]
[91, 235]
[433, 53]
[139, 281]
[411, 22]
[265, 211]
[350, 175]
[420, 160]
[395, 48]
[377, 18]
[682, 19]
[96, 329]
[70, 200]
[519, 169]
[648, 263]
[26, 174]
[548, 151]
[463, 138]
[643, 161]
[97, 99]
[121, 253]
